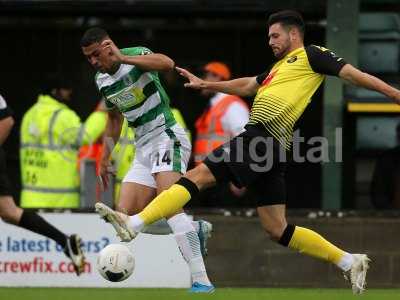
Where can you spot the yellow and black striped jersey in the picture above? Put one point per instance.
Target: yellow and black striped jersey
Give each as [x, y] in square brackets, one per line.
[286, 89]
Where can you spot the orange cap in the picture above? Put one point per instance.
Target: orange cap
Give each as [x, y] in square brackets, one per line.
[218, 68]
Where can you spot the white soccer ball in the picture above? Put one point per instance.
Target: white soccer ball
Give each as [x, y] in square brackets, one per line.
[115, 262]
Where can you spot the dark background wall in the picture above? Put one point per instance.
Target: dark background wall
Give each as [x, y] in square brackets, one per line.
[34, 45]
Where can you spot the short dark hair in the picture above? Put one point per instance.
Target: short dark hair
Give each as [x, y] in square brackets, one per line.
[288, 18]
[93, 35]
[52, 81]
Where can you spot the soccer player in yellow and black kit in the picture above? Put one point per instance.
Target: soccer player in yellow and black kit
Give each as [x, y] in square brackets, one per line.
[282, 94]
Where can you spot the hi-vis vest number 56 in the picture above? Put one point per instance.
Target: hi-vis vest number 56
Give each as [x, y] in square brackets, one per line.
[51, 134]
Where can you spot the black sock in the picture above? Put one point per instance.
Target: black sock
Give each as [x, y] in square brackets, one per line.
[287, 235]
[33, 222]
[189, 185]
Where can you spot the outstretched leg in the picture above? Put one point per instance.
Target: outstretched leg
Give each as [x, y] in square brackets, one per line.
[31, 221]
[181, 226]
[309, 242]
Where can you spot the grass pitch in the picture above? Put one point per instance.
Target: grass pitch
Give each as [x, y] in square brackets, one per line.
[180, 294]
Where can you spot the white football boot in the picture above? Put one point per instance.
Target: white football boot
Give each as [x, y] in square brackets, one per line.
[118, 220]
[358, 272]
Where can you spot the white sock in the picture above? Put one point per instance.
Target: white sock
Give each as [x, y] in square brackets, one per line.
[136, 223]
[346, 262]
[159, 227]
[189, 244]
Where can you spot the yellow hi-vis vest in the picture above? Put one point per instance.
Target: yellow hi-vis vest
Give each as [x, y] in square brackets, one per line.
[50, 137]
[124, 151]
[122, 156]
[179, 119]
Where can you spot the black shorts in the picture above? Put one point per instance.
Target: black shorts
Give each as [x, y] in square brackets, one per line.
[253, 159]
[5, 187]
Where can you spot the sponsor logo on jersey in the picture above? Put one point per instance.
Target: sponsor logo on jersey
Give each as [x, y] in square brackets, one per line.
[127, 97]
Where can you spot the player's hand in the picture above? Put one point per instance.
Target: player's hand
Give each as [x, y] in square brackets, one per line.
[105, 170]
[194, 81]
[112, 50]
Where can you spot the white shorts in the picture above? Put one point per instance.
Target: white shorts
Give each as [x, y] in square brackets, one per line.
[169, 151]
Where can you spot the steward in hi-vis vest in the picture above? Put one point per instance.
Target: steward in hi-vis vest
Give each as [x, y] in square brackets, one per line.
[51, 134]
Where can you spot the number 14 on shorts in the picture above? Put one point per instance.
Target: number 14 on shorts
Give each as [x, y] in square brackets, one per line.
[163, 158]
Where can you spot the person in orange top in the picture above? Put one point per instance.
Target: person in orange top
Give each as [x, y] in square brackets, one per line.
[224, 118]
[94, 151]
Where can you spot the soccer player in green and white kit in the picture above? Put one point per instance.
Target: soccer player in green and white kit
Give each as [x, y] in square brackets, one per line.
[128, 81]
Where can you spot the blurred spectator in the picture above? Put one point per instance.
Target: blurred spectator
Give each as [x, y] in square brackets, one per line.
[225, 117]
[51, 134]
[181, 121]
[92, 152]
[385, 188]
[29, 220]
[123, 155]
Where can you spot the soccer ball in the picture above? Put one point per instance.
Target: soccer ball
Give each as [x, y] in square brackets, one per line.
[115, 262]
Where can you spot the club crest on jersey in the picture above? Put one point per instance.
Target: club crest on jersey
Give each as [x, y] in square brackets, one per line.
[292, 59]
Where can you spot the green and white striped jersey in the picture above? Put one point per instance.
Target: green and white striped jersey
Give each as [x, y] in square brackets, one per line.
[139, 96]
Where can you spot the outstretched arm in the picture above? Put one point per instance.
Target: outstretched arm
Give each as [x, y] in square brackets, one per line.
[326, 62]
[245, 86]
[359, 78]
[149, 62]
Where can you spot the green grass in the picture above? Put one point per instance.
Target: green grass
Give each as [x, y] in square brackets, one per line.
[179, 294]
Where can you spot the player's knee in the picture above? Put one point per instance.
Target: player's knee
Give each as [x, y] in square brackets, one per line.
[9, 214]
[201, 176]
[276, 230]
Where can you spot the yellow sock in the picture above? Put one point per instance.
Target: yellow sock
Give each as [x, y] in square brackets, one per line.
[311, 243]
[166, 204]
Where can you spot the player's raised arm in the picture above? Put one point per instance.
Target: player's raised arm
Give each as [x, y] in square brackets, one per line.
[359, 78]
[245, 86]
[148, 62]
